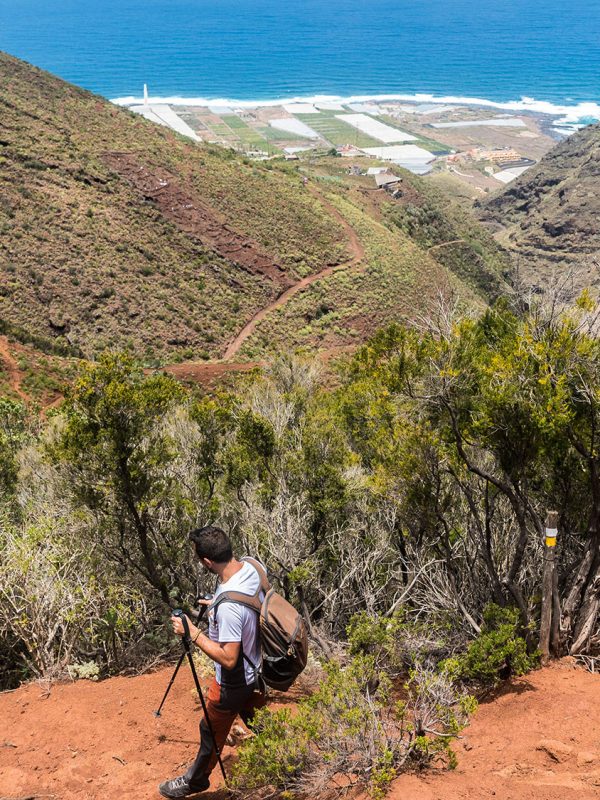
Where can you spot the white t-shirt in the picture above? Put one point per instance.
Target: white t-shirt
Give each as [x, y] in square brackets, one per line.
[233, 622]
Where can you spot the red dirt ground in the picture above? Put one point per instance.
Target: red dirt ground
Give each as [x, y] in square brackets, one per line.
[13, 371]
[538, 740]
[208, 373]
[100, 740]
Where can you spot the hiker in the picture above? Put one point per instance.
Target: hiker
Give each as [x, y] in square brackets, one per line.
[233, 643]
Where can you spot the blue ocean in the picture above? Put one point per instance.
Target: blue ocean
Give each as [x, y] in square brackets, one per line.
[538, 54]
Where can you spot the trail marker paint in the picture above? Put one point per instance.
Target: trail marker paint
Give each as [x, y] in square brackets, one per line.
[551, 534]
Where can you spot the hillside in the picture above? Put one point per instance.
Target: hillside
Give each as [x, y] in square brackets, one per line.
[548, 218]
[115, 232]
[537, 739]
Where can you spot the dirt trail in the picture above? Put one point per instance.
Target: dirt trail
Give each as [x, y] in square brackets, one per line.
[358, 254]
[208, 373]
[92, 741]
[182, 206]
[12, 368]
[538, 740]
[445, 244]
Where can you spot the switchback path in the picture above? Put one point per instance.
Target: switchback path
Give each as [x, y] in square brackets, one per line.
[445, 244]
[12, 368]
[358, 254]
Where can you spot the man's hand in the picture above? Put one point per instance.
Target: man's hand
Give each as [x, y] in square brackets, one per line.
[178, 628]
[224, 653]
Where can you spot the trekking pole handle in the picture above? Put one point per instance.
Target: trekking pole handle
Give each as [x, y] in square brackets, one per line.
[177, 612]
[203, 608]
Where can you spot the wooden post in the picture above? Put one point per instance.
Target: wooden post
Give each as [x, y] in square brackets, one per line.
[555, 644]
[547, 585]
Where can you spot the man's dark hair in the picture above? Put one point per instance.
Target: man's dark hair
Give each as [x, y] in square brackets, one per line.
[212, 543]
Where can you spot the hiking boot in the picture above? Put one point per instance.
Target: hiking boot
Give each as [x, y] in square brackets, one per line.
[180, 787]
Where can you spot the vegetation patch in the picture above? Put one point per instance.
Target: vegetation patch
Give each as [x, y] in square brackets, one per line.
[397, 280]
[348, 733]
[498, 653]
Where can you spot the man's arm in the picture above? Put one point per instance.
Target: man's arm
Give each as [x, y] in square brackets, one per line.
[224, 653]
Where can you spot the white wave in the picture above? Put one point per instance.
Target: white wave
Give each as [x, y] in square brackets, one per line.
[569, 114]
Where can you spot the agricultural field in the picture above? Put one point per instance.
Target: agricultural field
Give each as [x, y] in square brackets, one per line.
[423, 141]
[222, 130]
[232, 130]
[336, 131]
[248, 136]
[294, 126]
[276, 135]
[371, 126]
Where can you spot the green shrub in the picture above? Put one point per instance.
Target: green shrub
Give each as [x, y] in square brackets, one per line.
[498, 653]
[397, 642]
[375, 636]
[350, 729]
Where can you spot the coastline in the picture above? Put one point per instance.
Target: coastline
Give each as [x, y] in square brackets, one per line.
[571, 115]
[480, 142]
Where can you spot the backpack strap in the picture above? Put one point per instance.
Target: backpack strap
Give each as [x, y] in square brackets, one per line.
[262, 573]
[251, 601]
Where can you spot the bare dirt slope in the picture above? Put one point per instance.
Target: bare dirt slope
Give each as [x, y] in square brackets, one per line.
[12, 370]
[539, 739]
[185, 209]
[31, 377]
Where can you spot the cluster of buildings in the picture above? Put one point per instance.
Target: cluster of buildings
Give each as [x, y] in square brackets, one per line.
[503, 157]
[502, 163]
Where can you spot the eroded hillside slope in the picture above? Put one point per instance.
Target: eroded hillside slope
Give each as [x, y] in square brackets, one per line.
[548, 218]
[115, 232]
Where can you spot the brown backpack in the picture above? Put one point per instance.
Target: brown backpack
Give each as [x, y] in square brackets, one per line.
[283, 634]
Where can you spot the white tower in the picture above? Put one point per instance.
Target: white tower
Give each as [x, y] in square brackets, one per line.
[145, 94]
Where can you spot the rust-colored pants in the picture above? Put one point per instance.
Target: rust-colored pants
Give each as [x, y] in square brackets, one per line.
[223, 705]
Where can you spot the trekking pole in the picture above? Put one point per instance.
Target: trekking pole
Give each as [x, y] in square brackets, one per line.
[173, 676]
[179, 663]
[188, 651]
